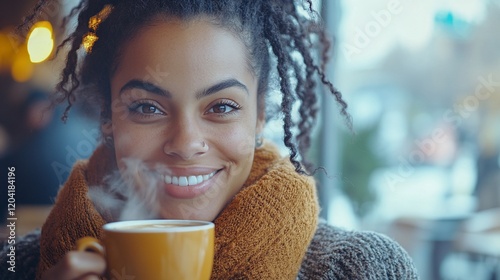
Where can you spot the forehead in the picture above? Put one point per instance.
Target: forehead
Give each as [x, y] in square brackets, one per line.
[198, 46]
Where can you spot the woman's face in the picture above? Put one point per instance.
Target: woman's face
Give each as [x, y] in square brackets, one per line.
[184, 102]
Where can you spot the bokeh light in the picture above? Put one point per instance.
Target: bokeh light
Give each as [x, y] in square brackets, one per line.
[6, 52]
[22, 68]
[40, 42]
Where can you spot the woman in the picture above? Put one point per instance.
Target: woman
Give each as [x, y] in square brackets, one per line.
[182, 87]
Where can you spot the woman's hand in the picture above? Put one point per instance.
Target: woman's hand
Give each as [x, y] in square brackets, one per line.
[77, 265]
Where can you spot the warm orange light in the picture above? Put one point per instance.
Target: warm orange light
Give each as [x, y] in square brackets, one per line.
[88, 41]
[22, 68]
[6, 52]
[40, 41]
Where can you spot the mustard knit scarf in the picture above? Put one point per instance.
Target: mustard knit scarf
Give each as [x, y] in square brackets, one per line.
[263, 233]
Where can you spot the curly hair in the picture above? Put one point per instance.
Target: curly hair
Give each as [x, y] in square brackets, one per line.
[280, 39]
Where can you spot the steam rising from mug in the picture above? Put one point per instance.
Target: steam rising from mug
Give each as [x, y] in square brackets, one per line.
[132, 193]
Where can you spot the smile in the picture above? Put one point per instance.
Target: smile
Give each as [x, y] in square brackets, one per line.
[184, 181]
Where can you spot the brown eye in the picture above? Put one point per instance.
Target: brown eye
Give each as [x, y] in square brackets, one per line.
[220, 108]
[224, 107]
[149, 109]
[145, 108]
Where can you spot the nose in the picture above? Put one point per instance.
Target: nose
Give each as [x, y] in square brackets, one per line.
[185, 140]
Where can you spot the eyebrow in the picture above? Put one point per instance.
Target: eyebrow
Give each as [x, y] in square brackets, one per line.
[221, 86]
[147, 86]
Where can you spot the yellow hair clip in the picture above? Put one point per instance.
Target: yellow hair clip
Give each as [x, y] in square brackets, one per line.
[90, 38]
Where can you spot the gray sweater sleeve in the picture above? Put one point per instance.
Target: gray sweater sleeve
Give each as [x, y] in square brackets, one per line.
[27, 254]
[340, 254]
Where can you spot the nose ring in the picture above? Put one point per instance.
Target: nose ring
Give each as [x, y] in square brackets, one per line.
[204, 145]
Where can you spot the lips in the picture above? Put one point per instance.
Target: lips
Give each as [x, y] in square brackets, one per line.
[191, 183]
[184, 181]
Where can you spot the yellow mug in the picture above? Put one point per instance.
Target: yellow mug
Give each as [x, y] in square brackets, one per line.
[155, 249]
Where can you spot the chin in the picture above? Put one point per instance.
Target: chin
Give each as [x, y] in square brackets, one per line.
[188, 211]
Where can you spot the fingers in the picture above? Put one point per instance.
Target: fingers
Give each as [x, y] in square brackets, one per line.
[77, 265]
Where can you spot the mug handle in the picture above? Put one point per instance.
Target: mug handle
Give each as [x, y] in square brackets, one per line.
[90, 244]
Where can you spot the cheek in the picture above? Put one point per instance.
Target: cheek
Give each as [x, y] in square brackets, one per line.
[130, 140]
[123, 147]
[237, 144]
[137, 142]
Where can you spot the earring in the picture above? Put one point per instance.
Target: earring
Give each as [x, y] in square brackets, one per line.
[259, 140]
[108, 141]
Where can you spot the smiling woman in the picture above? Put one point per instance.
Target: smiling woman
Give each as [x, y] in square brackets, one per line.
[198, 113]
[182, 87]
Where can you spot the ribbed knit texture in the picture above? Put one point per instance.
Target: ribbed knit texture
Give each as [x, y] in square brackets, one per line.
[27, 257]
[263, 233]
[335, 253]
[73, 215]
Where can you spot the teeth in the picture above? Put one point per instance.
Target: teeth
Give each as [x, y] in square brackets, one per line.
[192, 180]
[184, 181]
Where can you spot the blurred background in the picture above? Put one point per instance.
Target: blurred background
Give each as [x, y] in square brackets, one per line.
[422, 79]
[33, 139]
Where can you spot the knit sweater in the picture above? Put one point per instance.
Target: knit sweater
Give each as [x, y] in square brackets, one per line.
[315, 251]
[262, 233]
[334, 253]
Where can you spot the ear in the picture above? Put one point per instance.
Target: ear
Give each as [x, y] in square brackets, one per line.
[261, 122]
[107, 128]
